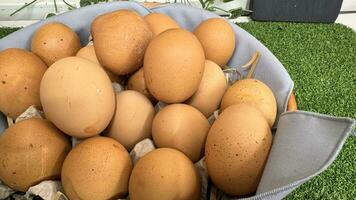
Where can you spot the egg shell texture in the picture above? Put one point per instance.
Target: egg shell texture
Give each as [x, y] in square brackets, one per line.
[217, 38]
[121, 38]
[254, 92]
[211, 89]
[20, 75]
[88, 52]
[137, 82]
[181, 127]
[237, 149]
[159, 22]
[54, 41]
[77, 96]
[31, 151]
[174, 65]
[132, 120]
[164, 174]
[97, 168]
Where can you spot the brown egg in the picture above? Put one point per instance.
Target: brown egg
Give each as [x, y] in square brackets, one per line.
[97, 168]
[88, 52]
[254, 92]
[218, 40]
[137, 82]
[237, 149]
[164, 174]
[20, 75]
[181, 127]
[31, 151]
[211, 89]
[174, 65]
[121, 38]
[77, 96]
[132, 120]
[54, 41]
[159, 22]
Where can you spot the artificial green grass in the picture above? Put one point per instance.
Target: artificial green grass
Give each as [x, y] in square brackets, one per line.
[4, 31]
[90, 2]
[321, 59]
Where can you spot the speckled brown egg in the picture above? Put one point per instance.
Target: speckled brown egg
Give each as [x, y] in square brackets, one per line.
[97, 168]
[254, 92]
[31, 151]
[132, 120]
[237, 149]
[77, 96]
[164, 174]
[181, 127]
[20, 75]
[137, 82]
[88, 52]
[54, 41]
[174, 65]
[211, 89]
[218, 40]
[121, 38]
[159, 22]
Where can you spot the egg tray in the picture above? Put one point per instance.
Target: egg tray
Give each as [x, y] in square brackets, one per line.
[304, 143]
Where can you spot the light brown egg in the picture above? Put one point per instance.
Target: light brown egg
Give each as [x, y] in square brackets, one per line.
[159, 22]
[211, 89]
[97, 168]
[88, 52]
[77, 96]
[174, 65]
[20, 75]
[218, 40]
[31, 151]
[181, 127]
[137, 82]
[121, 38]
[164, 174]
[254, 92]
[54, 41]
[237, 149]
[132, 120]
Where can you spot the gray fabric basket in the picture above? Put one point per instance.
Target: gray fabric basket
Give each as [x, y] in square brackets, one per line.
[304, 144]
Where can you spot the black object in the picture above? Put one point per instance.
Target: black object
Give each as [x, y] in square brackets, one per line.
[325, 11]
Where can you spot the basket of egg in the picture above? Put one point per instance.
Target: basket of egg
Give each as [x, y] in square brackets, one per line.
[167, 102]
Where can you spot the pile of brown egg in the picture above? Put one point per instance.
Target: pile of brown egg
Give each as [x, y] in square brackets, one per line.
[155, 60]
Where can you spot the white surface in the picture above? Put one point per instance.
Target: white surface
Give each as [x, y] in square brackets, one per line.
[348, 20]
[18, 23]
[241, 19]
[38, 10]
[348, 5]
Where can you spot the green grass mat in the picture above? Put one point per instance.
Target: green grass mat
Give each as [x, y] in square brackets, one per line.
[4, 31]
[321, 58]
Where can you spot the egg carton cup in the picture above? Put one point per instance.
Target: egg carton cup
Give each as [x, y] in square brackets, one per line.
[304, 143]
